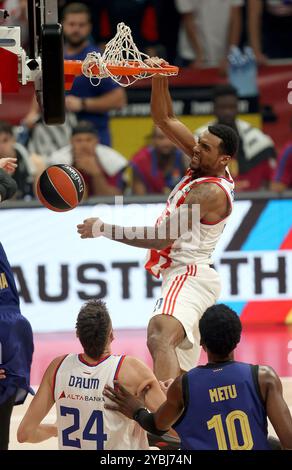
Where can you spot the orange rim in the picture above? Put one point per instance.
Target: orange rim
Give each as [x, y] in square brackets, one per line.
[74, 67]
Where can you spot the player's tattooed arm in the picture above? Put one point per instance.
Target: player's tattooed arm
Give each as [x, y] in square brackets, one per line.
[156, 237]
[211, 199]
[204, 200]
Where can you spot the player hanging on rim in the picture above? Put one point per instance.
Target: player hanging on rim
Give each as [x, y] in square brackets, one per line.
[190, 284]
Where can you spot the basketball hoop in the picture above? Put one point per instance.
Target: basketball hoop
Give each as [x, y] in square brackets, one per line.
[121, 61]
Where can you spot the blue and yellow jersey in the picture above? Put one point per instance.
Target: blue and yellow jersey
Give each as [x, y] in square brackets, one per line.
[16, 339]
[223, 409]
[8, 291]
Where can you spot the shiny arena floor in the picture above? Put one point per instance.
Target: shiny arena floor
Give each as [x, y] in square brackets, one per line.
[265, 345]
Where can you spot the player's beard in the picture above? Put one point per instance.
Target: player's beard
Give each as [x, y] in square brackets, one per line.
[197, 173]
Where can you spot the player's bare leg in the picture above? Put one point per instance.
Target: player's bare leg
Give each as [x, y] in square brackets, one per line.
[164, 334]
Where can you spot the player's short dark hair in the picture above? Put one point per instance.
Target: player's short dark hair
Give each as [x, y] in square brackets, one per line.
[224, 90]
[75, 8]
[93, 327]
[6, 128]
[220, 329]
[230, 139]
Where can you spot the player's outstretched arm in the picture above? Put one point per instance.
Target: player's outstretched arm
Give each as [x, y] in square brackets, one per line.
[30, 428]
[164, 117]
[204, 199]
[277, 409]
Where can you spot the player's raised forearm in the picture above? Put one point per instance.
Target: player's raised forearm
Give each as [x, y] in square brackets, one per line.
[161, 103]
[164, 118]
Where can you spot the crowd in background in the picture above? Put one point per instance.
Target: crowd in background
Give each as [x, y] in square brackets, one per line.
[189, 33]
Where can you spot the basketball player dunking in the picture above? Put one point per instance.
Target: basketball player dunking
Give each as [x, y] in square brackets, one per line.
[190, 284]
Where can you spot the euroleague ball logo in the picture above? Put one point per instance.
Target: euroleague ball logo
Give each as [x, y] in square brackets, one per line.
[75, 176]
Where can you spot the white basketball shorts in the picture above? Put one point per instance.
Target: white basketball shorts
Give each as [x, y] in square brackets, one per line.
[186, 293]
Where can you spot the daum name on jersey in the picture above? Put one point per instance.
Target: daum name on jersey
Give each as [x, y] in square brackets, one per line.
[82, 382]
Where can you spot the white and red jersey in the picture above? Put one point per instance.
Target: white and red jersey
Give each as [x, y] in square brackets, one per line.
[83, 421]
[188, 253]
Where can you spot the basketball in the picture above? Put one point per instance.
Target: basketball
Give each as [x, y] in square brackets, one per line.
[60, 188]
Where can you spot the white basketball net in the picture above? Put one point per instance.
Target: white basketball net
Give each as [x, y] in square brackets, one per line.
[120, 51]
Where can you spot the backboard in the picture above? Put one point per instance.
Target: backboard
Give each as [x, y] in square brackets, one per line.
[46, 53]
[42, 63]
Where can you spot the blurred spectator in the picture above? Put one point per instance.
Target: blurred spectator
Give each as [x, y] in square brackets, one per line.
[283, 173]
[255, 162]
[208, 29]
[29, 166]
[96, 8]
[17, 10]
[134, 13]
[42, 139]
[101, 166]
[242, 71]
[270, 28]
[168, 20]
[158, 167]
[91, 103]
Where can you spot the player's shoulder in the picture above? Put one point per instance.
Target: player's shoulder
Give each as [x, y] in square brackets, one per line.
[134, 366]
[132, 361]
[267, 375]
[135, 375]
[52, 369]
[205, 190]
[55, 364]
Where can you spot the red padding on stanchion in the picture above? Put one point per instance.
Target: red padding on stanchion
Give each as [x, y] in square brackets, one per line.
[8, 71]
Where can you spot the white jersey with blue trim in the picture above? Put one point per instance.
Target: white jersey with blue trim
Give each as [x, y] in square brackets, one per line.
[82, 420]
